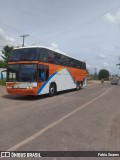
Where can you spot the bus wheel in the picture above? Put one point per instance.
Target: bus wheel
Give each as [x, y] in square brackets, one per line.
[52, 89]
[77, 86]
[81, 85]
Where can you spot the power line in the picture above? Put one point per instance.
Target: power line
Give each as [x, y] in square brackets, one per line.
[68, 30]
[79, 26]
[15, 31]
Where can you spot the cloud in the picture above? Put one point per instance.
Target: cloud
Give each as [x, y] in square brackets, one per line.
[101, 56]
[6, 40]
[107, 67]
[88, 65]
[113, 19]
[105, 64]
[54, 46]
[92, 68]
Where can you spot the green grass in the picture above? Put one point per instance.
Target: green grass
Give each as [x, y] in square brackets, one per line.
[3, 82]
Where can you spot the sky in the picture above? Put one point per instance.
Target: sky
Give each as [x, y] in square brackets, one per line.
[88, 30]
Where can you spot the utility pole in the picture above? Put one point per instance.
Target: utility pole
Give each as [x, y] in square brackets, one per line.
[95, 75]
[118, 64]
[23, 36]
[95, 71]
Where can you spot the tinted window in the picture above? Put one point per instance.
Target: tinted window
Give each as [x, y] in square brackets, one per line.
[72, 62]
[43, 72]
[78, 64]
[24, 54]
[66, 61]
[27, 73]
[22, 72]
[84, 65]
[63, 60]
[47, 72]
[12, 73]
[50, 56]
[43, 55]
[57, 58]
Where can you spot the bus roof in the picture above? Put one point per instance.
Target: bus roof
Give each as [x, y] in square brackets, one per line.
[49, 49]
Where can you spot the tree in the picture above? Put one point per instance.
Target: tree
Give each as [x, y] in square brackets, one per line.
[6, 51]
[87, 71]
[3, 64]
[103, 74]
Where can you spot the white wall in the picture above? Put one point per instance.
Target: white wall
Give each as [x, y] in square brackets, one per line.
[4, 73]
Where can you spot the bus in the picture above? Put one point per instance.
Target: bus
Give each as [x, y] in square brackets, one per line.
[41, 70]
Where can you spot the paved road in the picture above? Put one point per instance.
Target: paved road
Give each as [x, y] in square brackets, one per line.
[85, 120]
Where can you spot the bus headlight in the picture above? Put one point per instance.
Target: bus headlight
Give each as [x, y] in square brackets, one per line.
[9, 86]
[29, 87]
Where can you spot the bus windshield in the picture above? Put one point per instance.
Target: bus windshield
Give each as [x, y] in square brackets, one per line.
[24, 54]
[22, 73]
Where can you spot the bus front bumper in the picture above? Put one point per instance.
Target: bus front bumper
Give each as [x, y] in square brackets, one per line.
[22, 91]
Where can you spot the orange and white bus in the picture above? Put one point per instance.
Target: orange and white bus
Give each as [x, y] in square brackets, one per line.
[40, 70]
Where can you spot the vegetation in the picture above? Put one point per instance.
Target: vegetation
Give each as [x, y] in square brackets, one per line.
[104, 74]
[3, 82]
[6, 51]
[87, 71]
[3, 64]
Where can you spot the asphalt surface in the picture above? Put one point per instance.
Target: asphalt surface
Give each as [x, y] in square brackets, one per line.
[85, 120]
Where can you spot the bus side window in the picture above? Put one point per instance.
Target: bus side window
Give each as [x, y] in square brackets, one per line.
[43, 73]
[47, 72]
[43, 55]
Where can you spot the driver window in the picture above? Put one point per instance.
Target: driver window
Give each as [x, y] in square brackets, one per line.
[43, 73]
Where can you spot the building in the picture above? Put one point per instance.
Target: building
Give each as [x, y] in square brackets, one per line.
[2, 73]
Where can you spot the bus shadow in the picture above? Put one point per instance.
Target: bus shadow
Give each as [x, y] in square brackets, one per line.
[33, 98]
[24, 98]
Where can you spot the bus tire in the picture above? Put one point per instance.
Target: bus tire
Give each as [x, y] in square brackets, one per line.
[77, 86]
[81, 84]
[52, 89]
